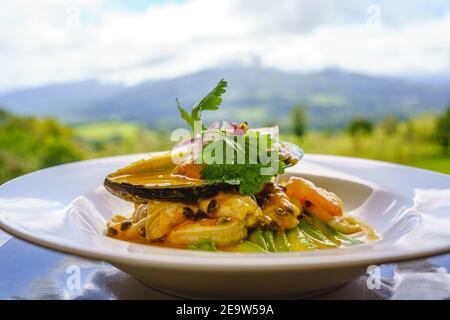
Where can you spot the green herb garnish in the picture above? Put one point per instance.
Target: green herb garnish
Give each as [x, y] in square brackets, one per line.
[249, 174]
[212, 101]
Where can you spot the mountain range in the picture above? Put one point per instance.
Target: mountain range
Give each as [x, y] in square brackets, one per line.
[260, 96]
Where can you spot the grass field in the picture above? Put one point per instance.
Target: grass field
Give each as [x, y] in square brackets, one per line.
[440, 164]
[103, 131]
[115, 138]
[386, 148]
[410, 142]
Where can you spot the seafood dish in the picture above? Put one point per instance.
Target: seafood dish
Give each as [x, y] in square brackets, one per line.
[222, 189]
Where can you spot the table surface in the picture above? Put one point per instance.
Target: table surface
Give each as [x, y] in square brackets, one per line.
[31, 272]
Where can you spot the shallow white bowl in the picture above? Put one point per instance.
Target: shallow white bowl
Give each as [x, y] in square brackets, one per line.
[65, 208]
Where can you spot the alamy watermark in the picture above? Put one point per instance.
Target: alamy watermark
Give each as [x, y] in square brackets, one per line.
[73, 17]
[373, 17]
[73, 280]
[373, 281]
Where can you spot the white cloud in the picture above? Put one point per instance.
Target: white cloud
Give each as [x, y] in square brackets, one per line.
[42, 44]
[412, 49]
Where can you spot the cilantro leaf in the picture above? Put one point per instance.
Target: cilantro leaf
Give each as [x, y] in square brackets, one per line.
[210, 102]
[250, 174]
[247, 176]
[185, 115]
[229, 160]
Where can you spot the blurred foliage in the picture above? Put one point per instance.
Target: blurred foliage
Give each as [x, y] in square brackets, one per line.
[104, 139]
[413, 142]
[28, 144]
[299, 120]
[360, 127]
[389, 124]
[443, 131]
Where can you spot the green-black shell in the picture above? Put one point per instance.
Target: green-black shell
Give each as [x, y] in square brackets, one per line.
[189, 191]
[141, 193]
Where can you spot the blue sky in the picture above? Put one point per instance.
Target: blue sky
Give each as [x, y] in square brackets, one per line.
[137, 5]
[50, 41]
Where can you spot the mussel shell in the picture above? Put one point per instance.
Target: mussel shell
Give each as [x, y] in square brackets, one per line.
[141, 194]
[140, 182]
[146, 187]
[291, 153]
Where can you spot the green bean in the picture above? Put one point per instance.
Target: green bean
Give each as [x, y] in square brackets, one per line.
[257, 237]
[326, 230]
[281, 242]
[318, 237]
[268, 236]
[342, 237]
[336, 236]
[247, 247]
[203, 246]
[299, 241]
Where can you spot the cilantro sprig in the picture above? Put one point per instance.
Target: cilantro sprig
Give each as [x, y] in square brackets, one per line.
[249, 175]
[211, 101]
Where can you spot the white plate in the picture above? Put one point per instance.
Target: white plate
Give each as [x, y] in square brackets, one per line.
[66, 207]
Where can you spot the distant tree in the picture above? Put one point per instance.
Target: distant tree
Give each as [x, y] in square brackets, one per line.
[59, 151]
[410, 134]
[357, 129]
[360, 126]
[389, 125]
[4, 115]
[299, 120]
[27, 144]
[443, 131]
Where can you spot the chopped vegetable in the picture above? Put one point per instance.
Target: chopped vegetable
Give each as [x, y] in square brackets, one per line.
[299, 241]
[281, 242]
[318, 237]
[247, 247]
[270, 240]
[257, 237]
[203, 246]
[334, 235]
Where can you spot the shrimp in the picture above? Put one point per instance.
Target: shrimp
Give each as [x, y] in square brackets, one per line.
[278, 207]
[227, 217]
[324, 204]
[223, 219]
[222, 232]
[163, 216]
[233, 205]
